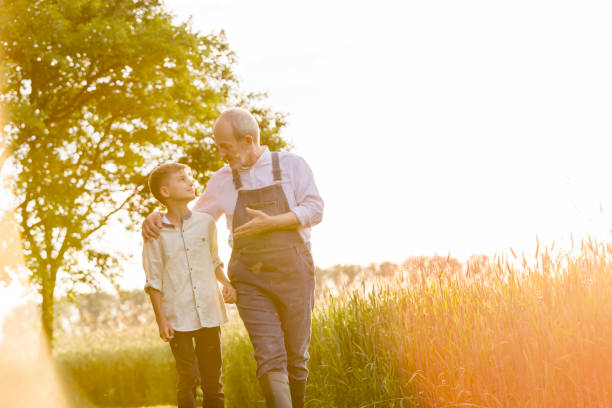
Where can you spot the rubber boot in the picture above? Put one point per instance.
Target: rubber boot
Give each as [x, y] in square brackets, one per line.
[275, 386]
[298, 391]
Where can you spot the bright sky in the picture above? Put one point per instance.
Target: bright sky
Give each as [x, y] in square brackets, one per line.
[434, 126]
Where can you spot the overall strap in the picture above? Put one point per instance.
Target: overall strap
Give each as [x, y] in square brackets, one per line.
[276, 170]
[236, 179]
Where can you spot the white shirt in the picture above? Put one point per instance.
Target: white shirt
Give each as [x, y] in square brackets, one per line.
[297, 182]
[181, 265]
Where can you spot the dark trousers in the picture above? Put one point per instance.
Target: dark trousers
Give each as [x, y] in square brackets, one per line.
[198, 365]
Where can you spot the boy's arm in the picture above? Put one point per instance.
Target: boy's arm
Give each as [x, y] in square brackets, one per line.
[220, 275]
[153, 266]
[229, 293]
[166, 331]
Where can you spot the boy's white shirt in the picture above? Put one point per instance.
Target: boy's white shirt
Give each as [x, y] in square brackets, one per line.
[181, 265]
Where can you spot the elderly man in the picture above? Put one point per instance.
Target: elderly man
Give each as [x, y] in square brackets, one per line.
[270, 201]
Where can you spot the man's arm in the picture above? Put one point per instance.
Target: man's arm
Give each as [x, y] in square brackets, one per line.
[208, 202]
[152, 226]
[309, 204]
[307, 212]
[262, 222]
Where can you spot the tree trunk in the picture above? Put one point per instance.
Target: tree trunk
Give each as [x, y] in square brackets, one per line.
[48, 303]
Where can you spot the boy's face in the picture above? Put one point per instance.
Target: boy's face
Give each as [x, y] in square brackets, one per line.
[178, 186]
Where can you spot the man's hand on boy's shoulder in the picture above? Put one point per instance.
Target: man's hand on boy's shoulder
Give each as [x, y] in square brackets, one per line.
[151, 226]
[166, 332]
[229, 293]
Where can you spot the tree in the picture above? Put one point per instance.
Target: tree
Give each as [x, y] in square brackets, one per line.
[97, 93]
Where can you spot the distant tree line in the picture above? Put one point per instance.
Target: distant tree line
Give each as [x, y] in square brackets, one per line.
[128, 309]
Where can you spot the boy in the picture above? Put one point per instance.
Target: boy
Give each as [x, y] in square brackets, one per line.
[182, 268]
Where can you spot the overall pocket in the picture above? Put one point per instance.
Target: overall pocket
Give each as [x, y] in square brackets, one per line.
[271, 260]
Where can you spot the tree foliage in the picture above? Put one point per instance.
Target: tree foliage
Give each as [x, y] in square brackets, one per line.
[97, 93]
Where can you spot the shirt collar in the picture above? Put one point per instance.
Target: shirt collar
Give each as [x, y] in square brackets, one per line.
[265, 158]
[166, 222]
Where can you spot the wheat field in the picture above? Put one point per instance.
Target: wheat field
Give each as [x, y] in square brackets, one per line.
[510, 332]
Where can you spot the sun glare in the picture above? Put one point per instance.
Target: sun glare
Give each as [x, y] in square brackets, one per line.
[28, 376]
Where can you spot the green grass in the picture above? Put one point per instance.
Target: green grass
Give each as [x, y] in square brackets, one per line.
[498, 336]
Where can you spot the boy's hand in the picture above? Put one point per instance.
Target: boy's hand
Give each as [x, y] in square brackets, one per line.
[152, 226]
[166, 332]
[229, 293]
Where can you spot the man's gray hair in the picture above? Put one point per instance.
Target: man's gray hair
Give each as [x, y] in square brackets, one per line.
[242, 122]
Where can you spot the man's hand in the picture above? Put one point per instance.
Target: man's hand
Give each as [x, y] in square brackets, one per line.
[229, 293]
[166, 332]
[151, 226]
[261, 222]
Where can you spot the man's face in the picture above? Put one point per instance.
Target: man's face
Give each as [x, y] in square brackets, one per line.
[234, 152]
[178, 186]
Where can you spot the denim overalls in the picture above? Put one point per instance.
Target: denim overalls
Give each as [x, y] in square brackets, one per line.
[273, 273]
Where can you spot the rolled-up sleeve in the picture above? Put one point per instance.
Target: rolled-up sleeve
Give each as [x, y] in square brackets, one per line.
[212, 243]
[152, 264]
[309, 204]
